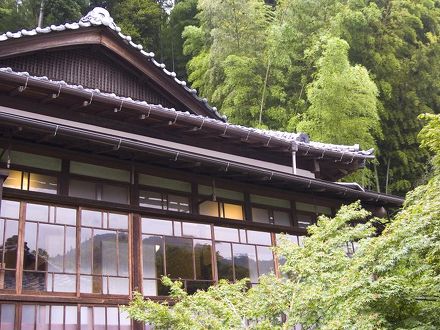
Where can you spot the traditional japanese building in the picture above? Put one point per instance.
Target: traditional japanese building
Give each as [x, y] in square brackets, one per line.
[113, 172]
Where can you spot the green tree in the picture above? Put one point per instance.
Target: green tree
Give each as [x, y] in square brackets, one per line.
[142, 20]
[343, 100]
[183, 14]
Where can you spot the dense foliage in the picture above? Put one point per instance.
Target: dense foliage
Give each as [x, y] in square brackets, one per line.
[262, 63]
[391, 281]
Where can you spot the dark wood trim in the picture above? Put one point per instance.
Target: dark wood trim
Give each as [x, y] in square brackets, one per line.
[110, 40]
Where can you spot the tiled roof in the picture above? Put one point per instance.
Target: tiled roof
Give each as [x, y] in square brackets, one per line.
[101, 17]
[300, 139]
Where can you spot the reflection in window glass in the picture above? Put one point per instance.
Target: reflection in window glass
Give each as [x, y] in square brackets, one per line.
[9, 209]
[8, 253]
[265, 260]
[209, 208]
[281, 218]
[259, 237]
[260, 215]
[203, 259]
[179, 256]
[50, 252]
[42, 183]
[197, 230]
[178, 203]
[102, 318]
[152, 262]
[13, 180]
[7, 317]
[114, 194]
[151, 199]
[233, 211]
[245, 262]
[32, 182]
[155, 226]
[104, 254]
[82, 189]
[225, 268]
[226, 234]
[98, 191]
[305, 220]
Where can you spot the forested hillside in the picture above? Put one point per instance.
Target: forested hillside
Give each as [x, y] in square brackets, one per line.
[344, 72]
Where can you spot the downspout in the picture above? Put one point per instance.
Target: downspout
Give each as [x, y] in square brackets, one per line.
[294, 150]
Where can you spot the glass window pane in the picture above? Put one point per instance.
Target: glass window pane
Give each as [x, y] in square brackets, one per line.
[154, 288]
[233, 211]
[66, 216]
[28, 317]
[71, 318]
[86, 249]
[104, 253]
[37, 212]
[10, 244]
[50, 248]
[123, 254]
[179, 257]
[203, 259]
[156, 226]
[281, 218]
[304, 220]
[91, 218]
[112, 318]
[270, 201]
[43, 183]
[30, 246]
[7, 320]
[56, 317]
[260, 215]
[43, 317]
[82, 189]
[265, 260]
[64, 283]
[177, 228]
[323, 210]
[226, 234]
[117, 221]
[10, 209]
[13, 180]
[118, 285]
[70, 254]
[114, 194]
[99, 318]
[258, 237]
[209, 208]
[86, 318]
[224, 261]
[178, 203]
[245, 262]
[152, 256]
[197, 230]
[151, 199]
[100, 171]
[166, 183]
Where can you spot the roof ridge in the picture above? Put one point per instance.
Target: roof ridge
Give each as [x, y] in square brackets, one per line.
[100, 16]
